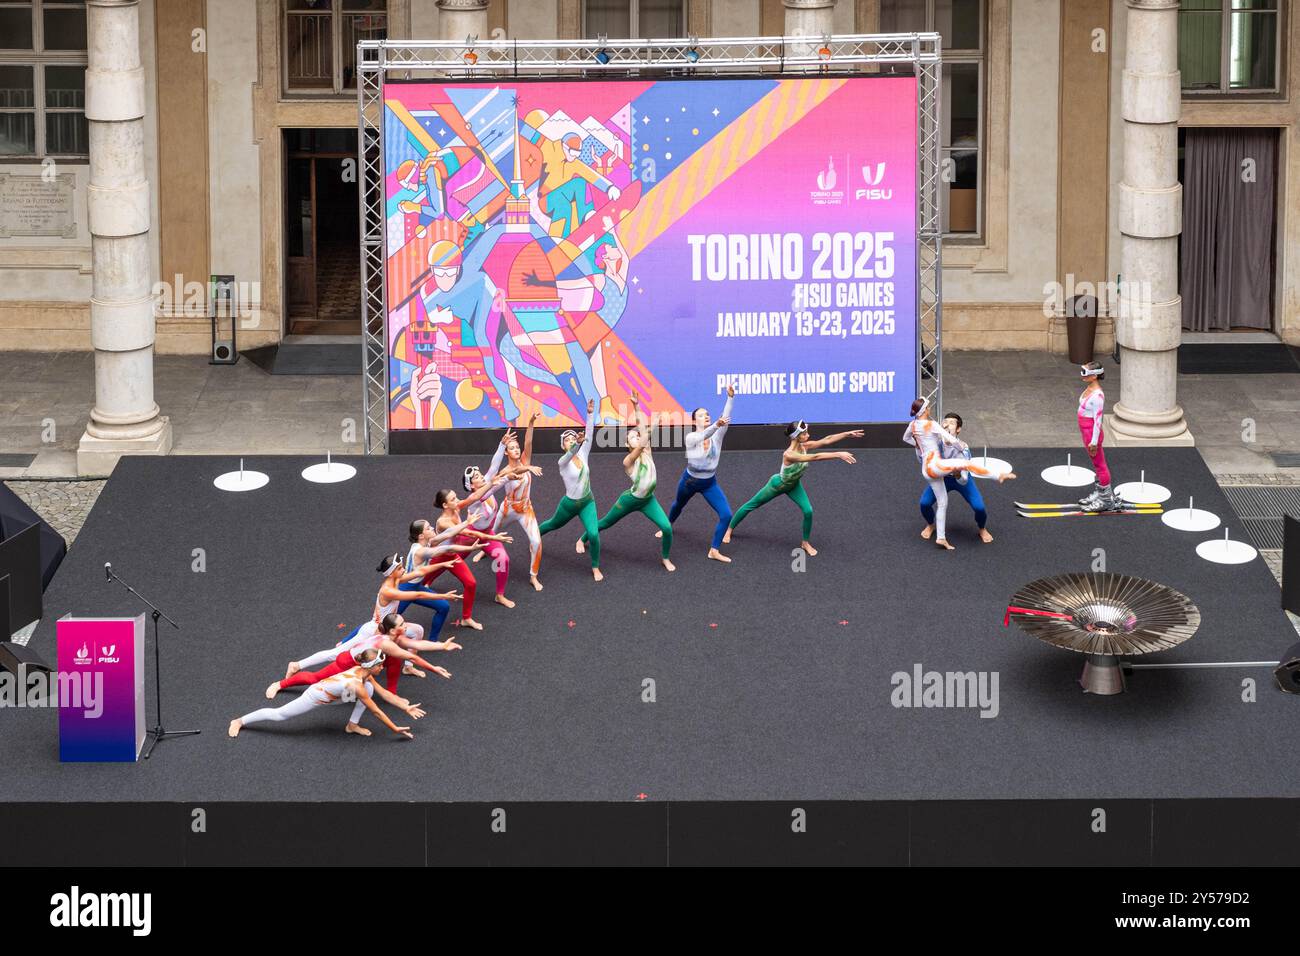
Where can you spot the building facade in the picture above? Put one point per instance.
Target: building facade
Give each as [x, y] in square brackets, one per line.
[248, 139]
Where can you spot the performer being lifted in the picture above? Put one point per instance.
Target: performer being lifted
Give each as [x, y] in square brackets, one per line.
[787, 481]
[703, 452]
[639, 464]
[959, 483]
[1091, 405]
[516, 504]
[578, 501]
[929, 438]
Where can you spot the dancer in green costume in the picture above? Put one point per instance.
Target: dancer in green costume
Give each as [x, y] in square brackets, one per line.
[577, 501]
[639, 464]
[794, 462]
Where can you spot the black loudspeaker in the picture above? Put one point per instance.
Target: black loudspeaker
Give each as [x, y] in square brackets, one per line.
[12, 656]
[1287, 672]
[1291, 564]
[223, 352]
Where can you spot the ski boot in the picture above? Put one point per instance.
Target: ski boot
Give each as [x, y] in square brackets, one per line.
[1092, 501]
[1110, 501]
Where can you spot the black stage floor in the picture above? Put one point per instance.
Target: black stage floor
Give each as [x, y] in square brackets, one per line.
[769, 683]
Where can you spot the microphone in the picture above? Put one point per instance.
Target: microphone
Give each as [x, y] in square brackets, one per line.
[108, 571]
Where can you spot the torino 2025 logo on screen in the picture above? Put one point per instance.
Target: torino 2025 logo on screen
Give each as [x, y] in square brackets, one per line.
[552, 243]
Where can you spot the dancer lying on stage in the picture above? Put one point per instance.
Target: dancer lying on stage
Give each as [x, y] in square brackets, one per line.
[703, 451]
[788, 481]
[929, 438]
[1091, 405]
[516, 504]
[959, 483]
[388, 635]
[639, 464]
[578, 501]
[354, 684]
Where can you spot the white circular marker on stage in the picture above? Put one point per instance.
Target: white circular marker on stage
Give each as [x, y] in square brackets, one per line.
[996, 465]
[241, 480]
[1143, 492]
[1225, 551]
[328, 471]
[1190, 518]
[1069, 475]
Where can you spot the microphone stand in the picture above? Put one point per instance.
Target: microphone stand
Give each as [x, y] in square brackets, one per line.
[156, 731]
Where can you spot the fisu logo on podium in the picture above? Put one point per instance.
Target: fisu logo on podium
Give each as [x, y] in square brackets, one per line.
[873, 179]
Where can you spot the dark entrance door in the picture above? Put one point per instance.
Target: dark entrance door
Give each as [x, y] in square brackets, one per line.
[322, 248]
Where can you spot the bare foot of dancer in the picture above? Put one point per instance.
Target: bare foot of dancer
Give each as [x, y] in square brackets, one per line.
[717, 555]
[1007, 477]
[659, 534]
[293, 668]
[537, 585]
[927, 531]
[580, 547]
[985, 536]
[669, 565]
[410, 670]
[504, 601]
[357, 729]
[469, 622]
[726, 538]
[272, 690]
[595, 573]
[478, 556]
[943, 543]
[809, 549]
[235, 727]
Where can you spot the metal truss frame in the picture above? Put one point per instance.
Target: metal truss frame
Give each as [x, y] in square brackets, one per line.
[474, 60]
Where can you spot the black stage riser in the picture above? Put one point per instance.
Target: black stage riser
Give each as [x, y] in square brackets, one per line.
[773, 676]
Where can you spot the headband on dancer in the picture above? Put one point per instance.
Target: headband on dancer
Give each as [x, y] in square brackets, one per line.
[1085, 372]
[925, 403]
[380, 657]
[796, 429]
[468, 480]
[566, 435]
[391, 563]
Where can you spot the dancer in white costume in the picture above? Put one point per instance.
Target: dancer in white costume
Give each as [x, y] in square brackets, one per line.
[516, 504]
[929, 437]
[390, 598]
[355, 684]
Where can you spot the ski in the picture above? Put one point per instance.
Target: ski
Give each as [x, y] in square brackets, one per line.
[1035, 506]
[1090, 514]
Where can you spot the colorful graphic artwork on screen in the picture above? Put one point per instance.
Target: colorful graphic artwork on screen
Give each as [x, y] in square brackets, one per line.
[550, 243]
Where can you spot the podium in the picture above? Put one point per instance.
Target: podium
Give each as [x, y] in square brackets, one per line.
[100, 689]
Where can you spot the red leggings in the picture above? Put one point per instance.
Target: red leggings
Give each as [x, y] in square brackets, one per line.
[1098, 459]
[341, 663]
[466, 578]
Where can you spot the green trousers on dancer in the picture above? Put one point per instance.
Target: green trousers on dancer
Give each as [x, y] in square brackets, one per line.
[584, 511]
[774, 487]
[628, 503]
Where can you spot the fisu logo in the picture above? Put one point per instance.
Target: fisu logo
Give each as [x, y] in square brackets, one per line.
[826, 178]
[873, 179]
[107, 654]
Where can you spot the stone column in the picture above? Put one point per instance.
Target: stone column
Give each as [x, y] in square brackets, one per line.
[809, 18]
[124, 419]
[1149, 326]
[459, 19]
